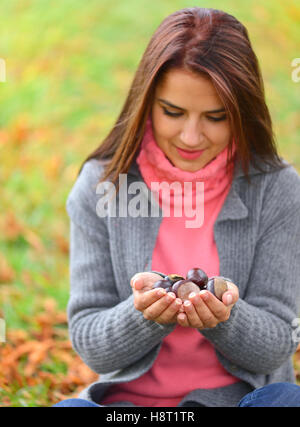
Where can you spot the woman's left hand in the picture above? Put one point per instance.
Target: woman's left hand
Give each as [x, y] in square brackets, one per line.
[204, 310]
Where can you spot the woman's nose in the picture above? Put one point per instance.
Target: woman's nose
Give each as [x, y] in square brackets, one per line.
[191, 135]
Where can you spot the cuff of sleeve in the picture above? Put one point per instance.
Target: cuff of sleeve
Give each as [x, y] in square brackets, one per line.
[223, 327]
[147, 325]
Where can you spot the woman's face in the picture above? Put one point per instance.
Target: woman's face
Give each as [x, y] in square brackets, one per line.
[188, 114]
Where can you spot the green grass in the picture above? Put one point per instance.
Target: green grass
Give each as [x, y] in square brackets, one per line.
[69, 67]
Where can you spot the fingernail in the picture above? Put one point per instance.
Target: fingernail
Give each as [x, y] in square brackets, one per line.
[187, 303]
[192, 294]
[137, 279]
[171, 294]
[204, 294]
[171, 297]
[161, 292]
[229, 299]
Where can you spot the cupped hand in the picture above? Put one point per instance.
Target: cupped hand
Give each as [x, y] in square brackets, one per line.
[203, 310]
[155, 304]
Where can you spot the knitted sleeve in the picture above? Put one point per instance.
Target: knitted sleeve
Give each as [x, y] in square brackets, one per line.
[259, 333]
[108, 334]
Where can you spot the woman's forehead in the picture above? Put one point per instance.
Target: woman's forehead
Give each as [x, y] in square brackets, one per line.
[188, 90]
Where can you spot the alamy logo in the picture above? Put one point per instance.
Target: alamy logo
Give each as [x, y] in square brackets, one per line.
[296, 71]
[2, 330]
[2, 70]
[186, 200]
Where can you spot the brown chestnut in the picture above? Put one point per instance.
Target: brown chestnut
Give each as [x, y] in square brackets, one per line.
[198, 276]
[183, 288]
[222, 277]
[173, 278]
[217, 286]
[165, 284]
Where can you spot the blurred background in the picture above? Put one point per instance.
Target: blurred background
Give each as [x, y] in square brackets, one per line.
[69, 65]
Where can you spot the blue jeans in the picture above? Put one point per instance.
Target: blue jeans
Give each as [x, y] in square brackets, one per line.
[76, 403]
[272, 395]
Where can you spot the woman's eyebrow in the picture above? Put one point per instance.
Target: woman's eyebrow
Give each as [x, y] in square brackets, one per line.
[220, 110]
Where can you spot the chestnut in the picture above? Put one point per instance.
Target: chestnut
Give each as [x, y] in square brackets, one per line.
[217, 286]
[198, 276]
[173, 278]
[224, 278]
[165, 284]
[183, 288]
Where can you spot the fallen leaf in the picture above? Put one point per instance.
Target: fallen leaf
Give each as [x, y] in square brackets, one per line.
[11, 227]
[7, 273]
[34, 240]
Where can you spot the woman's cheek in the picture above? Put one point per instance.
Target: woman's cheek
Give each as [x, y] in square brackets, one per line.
[165, 130]
[219, 135]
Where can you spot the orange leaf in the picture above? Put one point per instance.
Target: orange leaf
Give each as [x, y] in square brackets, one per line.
[7, 274]
[62, 243]
[11, 228]
[34, 240]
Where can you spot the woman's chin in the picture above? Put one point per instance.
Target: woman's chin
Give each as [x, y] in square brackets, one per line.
[189, 166]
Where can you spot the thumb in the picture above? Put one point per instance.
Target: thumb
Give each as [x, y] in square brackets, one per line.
[231, 296]
[137, 282]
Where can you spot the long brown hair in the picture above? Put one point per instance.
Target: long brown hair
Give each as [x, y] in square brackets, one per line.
[201, 40]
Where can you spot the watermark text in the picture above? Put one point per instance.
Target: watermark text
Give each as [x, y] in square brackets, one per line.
[2, 330]
[296, 71]
[175, 199]
[2, 70]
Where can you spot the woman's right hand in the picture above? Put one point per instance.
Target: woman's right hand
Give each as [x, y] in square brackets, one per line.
[155, 304]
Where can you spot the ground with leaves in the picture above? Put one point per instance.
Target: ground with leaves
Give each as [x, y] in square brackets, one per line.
[69, 67]
[40, 366]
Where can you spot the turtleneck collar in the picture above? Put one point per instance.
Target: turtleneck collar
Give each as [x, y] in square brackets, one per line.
[156, 167]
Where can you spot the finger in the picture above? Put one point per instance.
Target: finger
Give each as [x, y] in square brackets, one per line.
[169, 313]
[183, 320]
[146, 299]
[231, 296]
[155, 310]
[151, 278]
[137, 279]
[144, 280]
[137, 283]
[212, 309]
[228, 299]
[204, 313]
[192, 315]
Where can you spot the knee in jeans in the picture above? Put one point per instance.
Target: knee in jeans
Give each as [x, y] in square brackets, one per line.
[75, 403]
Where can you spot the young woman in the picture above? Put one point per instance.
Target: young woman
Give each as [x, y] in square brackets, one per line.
[195, 117]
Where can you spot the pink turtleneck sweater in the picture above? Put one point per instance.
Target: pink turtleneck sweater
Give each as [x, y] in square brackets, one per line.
[186, 360]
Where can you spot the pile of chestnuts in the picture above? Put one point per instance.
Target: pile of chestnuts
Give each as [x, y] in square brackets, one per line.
[196, 280]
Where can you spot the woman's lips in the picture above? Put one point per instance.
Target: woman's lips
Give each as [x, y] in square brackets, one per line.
[190, 155]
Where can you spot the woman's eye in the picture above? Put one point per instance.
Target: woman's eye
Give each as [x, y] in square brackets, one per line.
[217, 119]
[168, 113]
[213, 119]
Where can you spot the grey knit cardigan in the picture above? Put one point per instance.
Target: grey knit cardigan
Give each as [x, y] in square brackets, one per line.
[257, 234]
